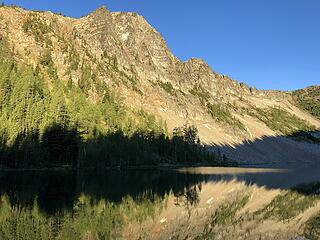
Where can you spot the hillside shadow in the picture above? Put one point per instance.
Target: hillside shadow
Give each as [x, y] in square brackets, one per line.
[300, 148]
[60, 146]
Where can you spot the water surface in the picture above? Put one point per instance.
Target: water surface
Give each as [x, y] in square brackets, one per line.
[58, 190]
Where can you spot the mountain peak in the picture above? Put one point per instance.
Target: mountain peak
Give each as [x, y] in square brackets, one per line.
[100, 10]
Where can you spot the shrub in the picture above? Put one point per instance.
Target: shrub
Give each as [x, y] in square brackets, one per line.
[224, 115]
[167, 86]
[280, 120]
[35, 26]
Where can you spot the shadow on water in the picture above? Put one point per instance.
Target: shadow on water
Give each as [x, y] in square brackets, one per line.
[59, 190]
[277, 178]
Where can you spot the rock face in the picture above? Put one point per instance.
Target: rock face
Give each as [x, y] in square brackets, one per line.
[128, 54]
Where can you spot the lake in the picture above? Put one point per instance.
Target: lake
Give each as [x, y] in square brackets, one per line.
[186, 203]
[57, 190]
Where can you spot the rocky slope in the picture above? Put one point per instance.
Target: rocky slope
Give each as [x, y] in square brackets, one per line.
[125, 52]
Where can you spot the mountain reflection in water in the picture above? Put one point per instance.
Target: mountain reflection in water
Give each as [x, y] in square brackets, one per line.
[57, 190]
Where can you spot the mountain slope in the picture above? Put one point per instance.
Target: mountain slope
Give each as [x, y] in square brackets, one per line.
[123, 52]
[309, 99]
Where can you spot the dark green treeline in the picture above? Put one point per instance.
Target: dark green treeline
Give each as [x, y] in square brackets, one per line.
[50, 124]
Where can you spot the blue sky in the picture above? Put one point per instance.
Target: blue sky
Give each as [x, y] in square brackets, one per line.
[269, 44]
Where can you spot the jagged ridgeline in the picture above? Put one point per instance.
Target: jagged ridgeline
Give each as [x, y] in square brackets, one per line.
[50, 123]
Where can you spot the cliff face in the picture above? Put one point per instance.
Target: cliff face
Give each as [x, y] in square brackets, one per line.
[125, 52]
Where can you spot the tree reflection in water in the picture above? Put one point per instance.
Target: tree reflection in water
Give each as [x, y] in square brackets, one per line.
[188, 197]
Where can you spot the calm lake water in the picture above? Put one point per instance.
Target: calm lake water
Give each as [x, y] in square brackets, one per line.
[58, 190]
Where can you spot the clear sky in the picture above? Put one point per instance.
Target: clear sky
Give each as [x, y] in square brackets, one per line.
[270, 44]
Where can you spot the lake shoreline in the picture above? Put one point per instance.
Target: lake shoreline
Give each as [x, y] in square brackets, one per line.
[159, 167]
[142, 167]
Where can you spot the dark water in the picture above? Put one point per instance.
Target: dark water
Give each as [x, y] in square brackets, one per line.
[58, 190]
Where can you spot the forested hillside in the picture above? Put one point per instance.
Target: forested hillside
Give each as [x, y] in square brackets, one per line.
[45, 124]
